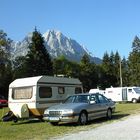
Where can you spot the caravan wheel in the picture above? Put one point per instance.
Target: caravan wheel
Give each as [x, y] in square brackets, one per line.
[134, 100]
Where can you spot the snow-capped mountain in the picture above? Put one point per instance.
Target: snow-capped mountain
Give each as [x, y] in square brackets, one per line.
[57, 44]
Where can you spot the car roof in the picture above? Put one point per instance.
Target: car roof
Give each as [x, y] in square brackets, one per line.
[87, 93]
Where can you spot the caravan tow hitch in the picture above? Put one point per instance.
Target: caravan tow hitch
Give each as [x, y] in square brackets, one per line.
[9, 117]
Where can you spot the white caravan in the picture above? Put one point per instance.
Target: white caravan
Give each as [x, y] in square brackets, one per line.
[29, 97]
[117, 94]
[97, 90]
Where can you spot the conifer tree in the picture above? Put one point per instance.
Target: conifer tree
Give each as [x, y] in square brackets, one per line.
[5, 64]
[125, 72]
[63, 66]
[88, 74]
[108, 65]
[106, 71]
[38, 61]
[117, 66]
[134, 63]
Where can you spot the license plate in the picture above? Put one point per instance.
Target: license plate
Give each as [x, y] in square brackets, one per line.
[54, 119]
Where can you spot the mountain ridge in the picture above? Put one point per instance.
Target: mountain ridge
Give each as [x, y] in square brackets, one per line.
[56, 44]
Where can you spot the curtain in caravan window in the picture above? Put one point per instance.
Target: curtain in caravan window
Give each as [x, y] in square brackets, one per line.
[22, 93]
[61, 90]
[45, 92]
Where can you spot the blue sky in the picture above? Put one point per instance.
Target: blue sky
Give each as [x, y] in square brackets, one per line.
[100, 25]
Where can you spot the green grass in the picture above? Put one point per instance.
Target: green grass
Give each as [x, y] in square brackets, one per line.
[127, 108]
[25, 130]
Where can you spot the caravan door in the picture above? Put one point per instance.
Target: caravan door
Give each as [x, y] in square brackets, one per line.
[124, 94]
[131, 94]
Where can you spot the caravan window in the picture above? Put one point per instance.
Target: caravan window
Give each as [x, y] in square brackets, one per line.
[129, 90]
[78, 90]
[45, 92]
[61, 90]
[22, 93]
[137, 90]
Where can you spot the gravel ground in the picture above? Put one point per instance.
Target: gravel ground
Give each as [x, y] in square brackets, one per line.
[128, 129]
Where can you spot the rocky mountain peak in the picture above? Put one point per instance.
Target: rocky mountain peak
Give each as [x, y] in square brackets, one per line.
[57, 44]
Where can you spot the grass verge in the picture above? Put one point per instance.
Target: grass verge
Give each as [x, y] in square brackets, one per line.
[36, 130]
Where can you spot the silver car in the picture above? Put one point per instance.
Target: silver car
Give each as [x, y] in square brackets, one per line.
[80, 108]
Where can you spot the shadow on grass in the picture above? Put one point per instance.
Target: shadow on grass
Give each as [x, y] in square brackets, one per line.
[115, 116]
[98, 121]
[20, 122]
[118, 116]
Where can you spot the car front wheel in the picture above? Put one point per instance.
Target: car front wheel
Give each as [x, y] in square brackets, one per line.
[109, 114]
[83, 118]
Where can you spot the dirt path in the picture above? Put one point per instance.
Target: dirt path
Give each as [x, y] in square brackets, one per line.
[128, 129]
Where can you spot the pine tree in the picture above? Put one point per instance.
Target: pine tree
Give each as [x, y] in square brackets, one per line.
[134, 63]
[88, 74]
[110, 70]
[106, 71]
[117, 64]
[136, 44]
[38, 61]
[125, 72]
[5, 63]
[65, 67]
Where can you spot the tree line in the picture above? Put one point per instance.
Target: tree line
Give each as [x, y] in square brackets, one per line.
[38, 62]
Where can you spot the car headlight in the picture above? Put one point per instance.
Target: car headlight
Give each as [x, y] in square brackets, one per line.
[46, 112]
[67, 111]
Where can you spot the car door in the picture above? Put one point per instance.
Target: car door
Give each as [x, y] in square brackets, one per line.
[93, 107]
[103, 103]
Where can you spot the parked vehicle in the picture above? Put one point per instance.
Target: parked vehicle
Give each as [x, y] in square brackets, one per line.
[29, 97]
[97, 90]
[3, 102]
[80, 108]
[117, 94]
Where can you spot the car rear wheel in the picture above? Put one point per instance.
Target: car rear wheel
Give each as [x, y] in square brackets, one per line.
[83, 118]
[109, 114]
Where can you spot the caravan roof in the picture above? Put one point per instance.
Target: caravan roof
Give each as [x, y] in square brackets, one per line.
[30, 81]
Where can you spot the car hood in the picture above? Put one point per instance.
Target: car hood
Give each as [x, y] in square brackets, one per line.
[67, 106]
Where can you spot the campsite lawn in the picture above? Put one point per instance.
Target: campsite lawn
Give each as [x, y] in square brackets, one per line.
[36, 130]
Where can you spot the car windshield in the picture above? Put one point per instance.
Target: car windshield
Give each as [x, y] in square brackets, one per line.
[77, 99]
[137, 90]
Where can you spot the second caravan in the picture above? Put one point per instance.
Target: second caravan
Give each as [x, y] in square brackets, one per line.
[131, 94]
[31, 96]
